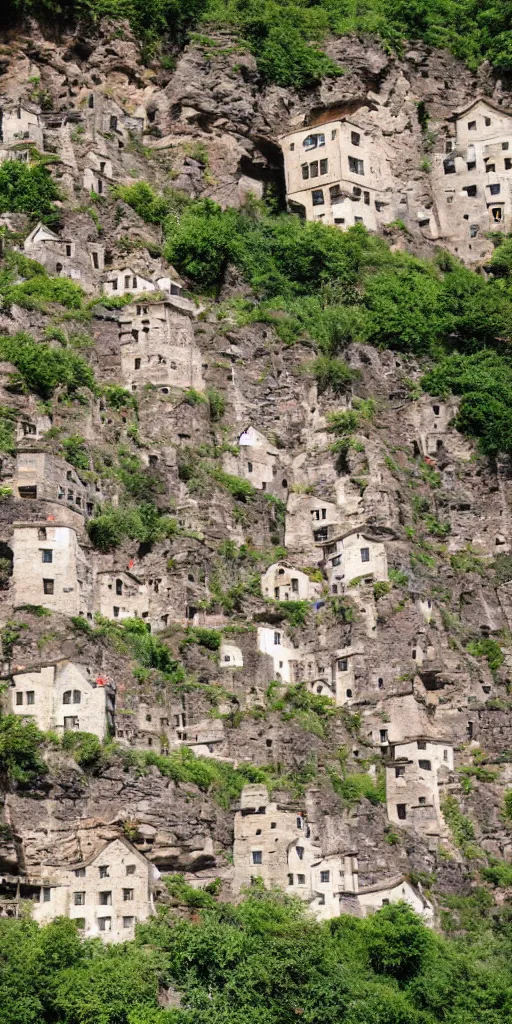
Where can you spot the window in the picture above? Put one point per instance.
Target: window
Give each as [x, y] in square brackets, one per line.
[48, 586]
[399, 771]
[355, 138]
[366, 197]
[422, 744]
[128, 922]
[134, 282]
[100, 187]
[342, 664]
[103, 870]
[320, 534]
[445, 755]
[305, 171]
[401, 811]
[497, 214]
[487, 121]
[422, 801]
[113, 123]
[449, 165]
[137, 364]
[470, 190]
[257, 857]
[471, 126]
[77, 697]
[249, 467]
[295, 586]
[325, 876]
[355, 166]
[426, 765]
[299, 851]
[313, 169]
[321, 140]
[277, 639]
[292, 147]
[348, 693]
[79, 899]
[79, 872]
[317, 197]
[333, 133]
[70, 722]
[504, 145]
[490, 167]
[19, 699]
[358, 220]
[105, 899]
[324, 166]
[105, 924]
[299, 821]
[310, 142]
[128, 895]
[290, 879]
[301, 879]
[47, 895]
[508, 163]
[66, 697]
[115, 611]
[31, 697]
[494, 189]
[473, 230]
[119, 586]
[95, 262]
[336, 561]
[365, 554]
[383, 735]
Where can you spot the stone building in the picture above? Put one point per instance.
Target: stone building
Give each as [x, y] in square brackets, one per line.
[158, 348]
[333, 673]
[22, 123]
[257, 460]
[39, 475]
[337, 172]
[471, 179]
[63, 257]
[273, 843]
[275, 643]
[284, 583]
[309, 522]
[106, 895]
[415, 777]
[97, 173]
[230, 656]
[121, 595]
[63, 696]
[49, 567]
[351, 557]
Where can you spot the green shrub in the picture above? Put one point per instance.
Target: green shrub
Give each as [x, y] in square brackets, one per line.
[143, 523]
[85, 748]
[151, 207]
[75, 451]
[41, 369]
[489, 649]
[209, 638]
[27, 188]
[20, 745]
[334, 375]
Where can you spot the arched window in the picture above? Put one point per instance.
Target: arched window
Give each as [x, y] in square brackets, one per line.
[66, 697]
[77, 697]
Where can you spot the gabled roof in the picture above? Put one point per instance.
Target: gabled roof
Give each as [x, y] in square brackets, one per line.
[481, 99]
[41, 227]
[95, 856]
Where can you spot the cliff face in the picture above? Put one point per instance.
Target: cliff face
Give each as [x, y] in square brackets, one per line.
[391, 546]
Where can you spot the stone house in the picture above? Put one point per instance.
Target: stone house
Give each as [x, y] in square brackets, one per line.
[310, 522]
[39, 475]
[256, 460]
[64, 695]
[394, 890]
[230, 656]
[417, 771]
[48, 567]
[121, 595]
[274, 642]
[471, 179]
[158, 348]
[21, 123]
[124, 280]
[31, 426]
[336, 172]
[64, 258]
[351, 557]
[284, 583]
[333, 674]
[106, 895]
[97, 173]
